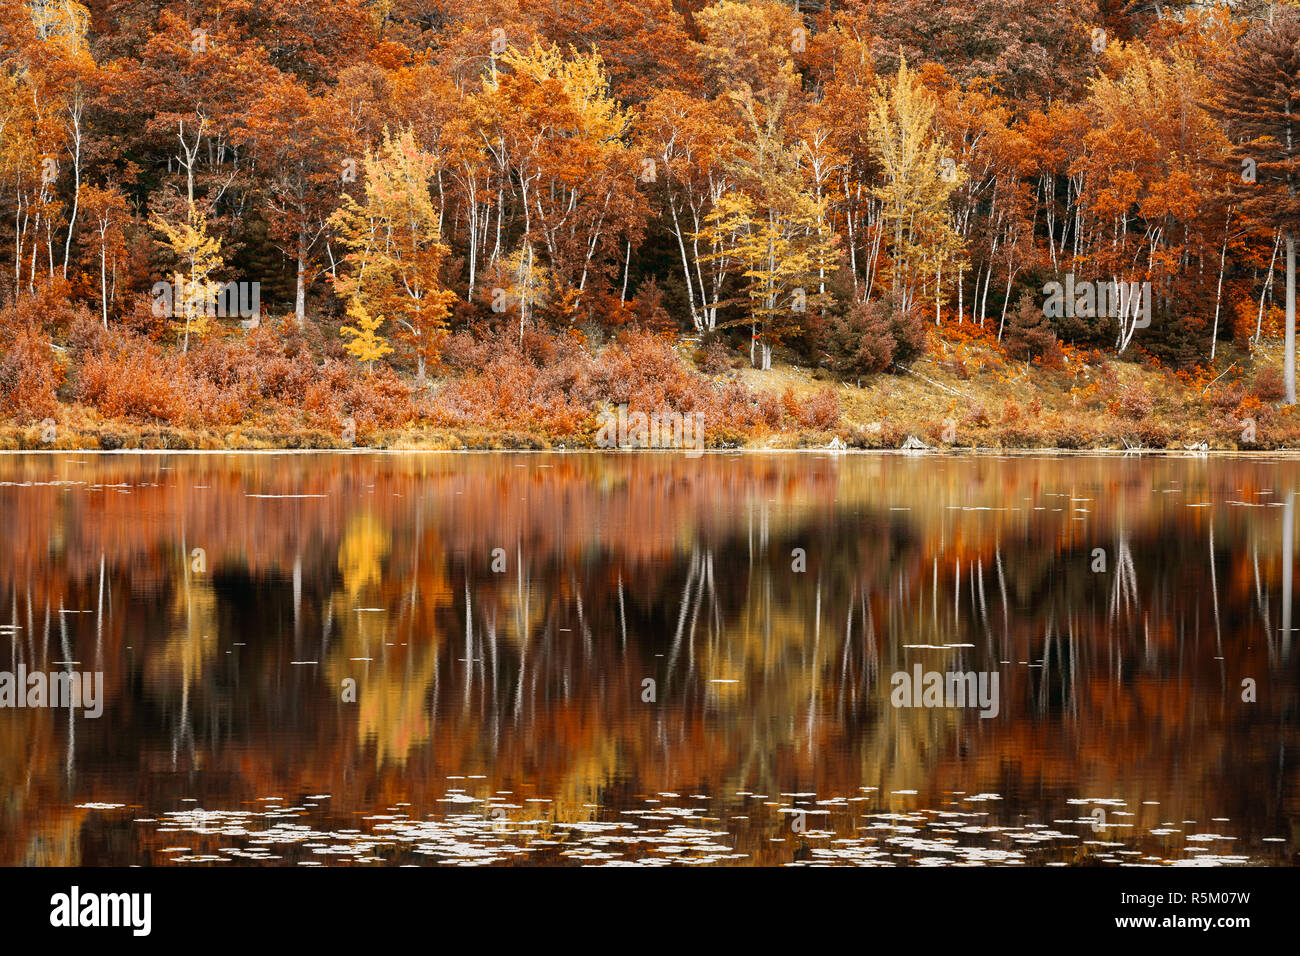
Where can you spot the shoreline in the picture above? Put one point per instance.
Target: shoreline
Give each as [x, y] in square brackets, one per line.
[941, 452]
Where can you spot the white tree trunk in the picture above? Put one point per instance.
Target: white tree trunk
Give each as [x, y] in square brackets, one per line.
[1288, 360]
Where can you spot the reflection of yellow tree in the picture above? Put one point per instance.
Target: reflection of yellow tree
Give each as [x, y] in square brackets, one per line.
[389, 640]
[361, 555]
[192, 643]
[393, 702]
[190, 648]
[772, 673]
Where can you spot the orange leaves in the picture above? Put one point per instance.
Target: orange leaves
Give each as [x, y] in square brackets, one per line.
[259, 377]
[554, 386]
[29, 375]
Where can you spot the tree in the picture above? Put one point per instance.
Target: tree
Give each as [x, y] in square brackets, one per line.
[1035, 50]
[771, 227]
[858, 339]
[364, 342]
[395, 247]
[194, 291]
[107, 213]
[1030, 333]
[300, 146]
[559, 141]
[686, 144]
[1259, 104]
[915, 184]
[1148, 168]
[863, 336]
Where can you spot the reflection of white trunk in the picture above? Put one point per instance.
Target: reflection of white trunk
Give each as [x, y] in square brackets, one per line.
[1288, 527]
[1214, 590]
[699, 579]
[297, 597]
[469, 647]
[1125, 590]
[622, 614]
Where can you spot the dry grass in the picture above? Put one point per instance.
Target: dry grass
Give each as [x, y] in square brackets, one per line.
[964, 393]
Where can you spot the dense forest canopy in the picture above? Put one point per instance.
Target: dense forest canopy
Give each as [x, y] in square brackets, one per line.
[331, 207]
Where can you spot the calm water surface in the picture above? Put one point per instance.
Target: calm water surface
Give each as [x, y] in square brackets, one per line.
[367, 659]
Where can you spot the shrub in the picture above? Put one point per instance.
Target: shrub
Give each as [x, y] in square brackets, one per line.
[379, 400]
[133, 378]
[1029, 333]
[1228, 397]
[465, 352]
[909, 330]
[714, 358]
[820, 410]
[29, 375]
[1269, 385]
[1135, 401]
[859, 340]
[867, 337]
[555, 385]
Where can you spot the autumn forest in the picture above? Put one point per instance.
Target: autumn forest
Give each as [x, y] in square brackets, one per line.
[438, 224]
[1005, 274]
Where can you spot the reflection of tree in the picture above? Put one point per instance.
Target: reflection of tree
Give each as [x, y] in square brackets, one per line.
[624, 568]
[388, 639]
[361, 555]
[182, 659]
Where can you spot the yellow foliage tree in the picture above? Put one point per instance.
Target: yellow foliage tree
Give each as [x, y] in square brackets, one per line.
[194, 293]
[395, 247]
[365, 344]
[916, 183]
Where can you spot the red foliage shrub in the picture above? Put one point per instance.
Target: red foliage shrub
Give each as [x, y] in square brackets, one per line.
[29, 375]
[31, 366]
[226, 380]
[821, 410]
[1135, 401]
[135, 379]
[1269, 385]
[555, 385]
[1227, 397]
[380, 400]
[859, 339]
[465, 352]
[714, 358]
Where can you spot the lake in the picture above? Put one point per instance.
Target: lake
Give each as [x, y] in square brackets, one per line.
[557, 659]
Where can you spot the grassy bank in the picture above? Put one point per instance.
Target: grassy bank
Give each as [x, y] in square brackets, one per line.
[964, 392]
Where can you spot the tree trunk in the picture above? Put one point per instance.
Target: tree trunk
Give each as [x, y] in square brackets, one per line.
[103, 281]
[300, 296]
[1288, 560]
[1288, 359]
